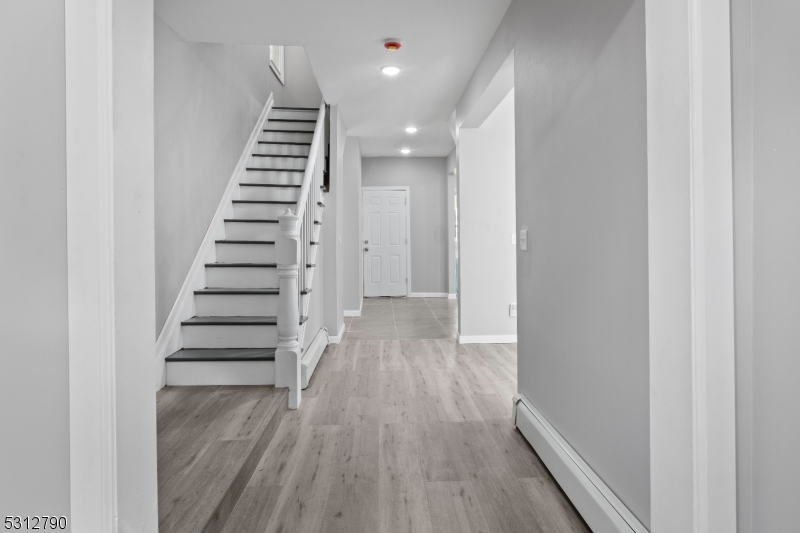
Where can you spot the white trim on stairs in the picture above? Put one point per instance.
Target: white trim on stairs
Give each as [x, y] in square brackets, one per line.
[595, 501]
[486, 339]
[169, 340]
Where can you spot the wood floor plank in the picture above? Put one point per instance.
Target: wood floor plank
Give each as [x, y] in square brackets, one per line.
[403, 508]
[399, 457]
[351, 509]
[515, 450]
[253, 511]
[506, 505]
[392, 356]
[455, 508]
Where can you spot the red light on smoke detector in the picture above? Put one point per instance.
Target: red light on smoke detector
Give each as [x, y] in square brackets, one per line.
[392, 45]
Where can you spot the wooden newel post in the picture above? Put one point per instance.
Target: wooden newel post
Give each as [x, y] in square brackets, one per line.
[287, 355]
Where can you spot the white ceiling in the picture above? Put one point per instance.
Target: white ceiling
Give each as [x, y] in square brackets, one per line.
[443, 40]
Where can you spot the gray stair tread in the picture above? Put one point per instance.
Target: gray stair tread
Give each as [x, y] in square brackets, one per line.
[239, 265]
[250, 220]
[283, 108]
[187, 355]
[296, 170]
[270, 202]
[232, 241]
[234, 321]
[237, 291]
[277, 185]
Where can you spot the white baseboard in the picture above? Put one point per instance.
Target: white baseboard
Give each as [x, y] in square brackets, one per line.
[428, 295]
[352, 313]
[599, 507]
[169, 340]
[338, 338]
[487, 339]
[312, 356]
[186, 374]
[452, 296]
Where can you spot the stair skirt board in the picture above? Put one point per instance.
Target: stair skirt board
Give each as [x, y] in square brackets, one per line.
[220, 373]
[241, 277]
[594, 500]
[221, 304]
[312, 356]
[245, 252]
[235, 336]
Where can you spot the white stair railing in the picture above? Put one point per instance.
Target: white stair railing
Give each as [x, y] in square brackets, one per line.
[294, 253]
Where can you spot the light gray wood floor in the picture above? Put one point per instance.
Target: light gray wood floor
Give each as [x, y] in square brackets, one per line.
[411, 435]
[203, 432]
[404, 318]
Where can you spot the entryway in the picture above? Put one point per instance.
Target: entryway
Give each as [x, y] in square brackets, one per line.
[385, 236]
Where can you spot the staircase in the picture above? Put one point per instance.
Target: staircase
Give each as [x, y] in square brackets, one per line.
[234, 334]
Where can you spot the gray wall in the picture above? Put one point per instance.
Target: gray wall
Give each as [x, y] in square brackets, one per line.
[332, 221]
[34, 395]
[581, 169]
[427, 179]
[766, 83]
[301, 85]
[353, 265]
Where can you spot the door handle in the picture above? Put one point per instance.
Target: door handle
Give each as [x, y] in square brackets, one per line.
[366, 249]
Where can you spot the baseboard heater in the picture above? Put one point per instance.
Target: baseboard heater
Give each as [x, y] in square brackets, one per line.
[597, 504]
[312, 355]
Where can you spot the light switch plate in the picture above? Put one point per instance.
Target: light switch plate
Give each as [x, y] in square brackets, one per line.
[523, 239]
[512, 309]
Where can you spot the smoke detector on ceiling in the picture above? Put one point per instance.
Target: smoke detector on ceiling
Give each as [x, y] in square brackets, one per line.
[392, 45]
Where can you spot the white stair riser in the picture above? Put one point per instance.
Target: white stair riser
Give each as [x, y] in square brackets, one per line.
[186, 374]
[235, 305]
[260, 211]
[282, 194]
[229, 337]
[273, 177]
[248, 231]
[299, 126]
[282, 136]
[245, 253]
[241, 278]
[282, 149]
[294, 114]
[277, 162]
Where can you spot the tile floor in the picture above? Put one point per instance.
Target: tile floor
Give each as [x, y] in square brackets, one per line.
[386, 319]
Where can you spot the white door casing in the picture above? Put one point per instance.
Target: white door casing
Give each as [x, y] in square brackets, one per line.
[385, 241]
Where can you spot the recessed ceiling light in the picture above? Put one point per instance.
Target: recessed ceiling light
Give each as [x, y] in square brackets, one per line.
[411, 129]
[390, 70]
[405, 151]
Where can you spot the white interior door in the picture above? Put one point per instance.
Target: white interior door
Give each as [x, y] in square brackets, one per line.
[385, 215]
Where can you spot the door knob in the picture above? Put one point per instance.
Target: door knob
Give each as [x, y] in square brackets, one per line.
[366, 249]
[366, 242]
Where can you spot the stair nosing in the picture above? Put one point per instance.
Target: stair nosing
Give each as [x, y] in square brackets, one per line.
[241, 265]
[281, 155]
[254, 169]
[252, 220]
[265, 291]
[284, 142]
[228, 321]
[269, 357]
[304, 132]
[269, 185]
[306, 120]
[235, 241]
[270, 202]
[281, 108]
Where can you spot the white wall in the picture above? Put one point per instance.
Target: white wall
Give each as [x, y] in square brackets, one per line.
[34, 395]
[427, 179]
[581, 170]
[487, 256]
[766, 82]
[301, 86]
[352, 246]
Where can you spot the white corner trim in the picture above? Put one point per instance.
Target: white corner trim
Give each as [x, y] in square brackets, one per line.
[452, 296]
[338, 338]
[169, 340]
[310, 359]
[486, 339]
[597, 504]
[428, 295]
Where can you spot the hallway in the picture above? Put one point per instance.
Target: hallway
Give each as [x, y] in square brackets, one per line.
[404, 436]
[384, 319]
